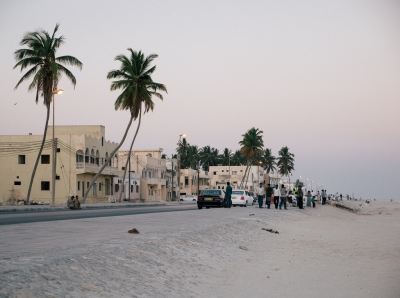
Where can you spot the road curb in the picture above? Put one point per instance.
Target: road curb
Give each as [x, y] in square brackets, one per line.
[64, 208]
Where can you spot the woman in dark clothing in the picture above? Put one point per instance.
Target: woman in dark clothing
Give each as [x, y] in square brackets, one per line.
[300, 197]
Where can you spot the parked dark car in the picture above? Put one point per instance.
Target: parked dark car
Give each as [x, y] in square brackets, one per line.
[211, 198]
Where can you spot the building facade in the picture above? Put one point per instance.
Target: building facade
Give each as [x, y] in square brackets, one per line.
[193, 182]
[171, 178]
[81, 151]
[234, 174]
[151, 168]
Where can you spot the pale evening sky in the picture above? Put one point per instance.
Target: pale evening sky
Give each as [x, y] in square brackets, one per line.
[321, 77]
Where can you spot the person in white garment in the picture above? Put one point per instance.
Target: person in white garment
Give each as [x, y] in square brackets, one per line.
[260, 195]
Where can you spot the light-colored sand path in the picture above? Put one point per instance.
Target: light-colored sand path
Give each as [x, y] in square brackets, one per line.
[322, 252]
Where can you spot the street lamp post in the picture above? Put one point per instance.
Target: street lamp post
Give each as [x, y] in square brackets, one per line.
[179, 163]
[229, 158]
[53, 170]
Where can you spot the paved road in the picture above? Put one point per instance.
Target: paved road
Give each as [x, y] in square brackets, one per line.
[30, 217]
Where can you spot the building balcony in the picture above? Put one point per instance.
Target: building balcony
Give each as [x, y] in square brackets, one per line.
[83, 167]
[155, 181]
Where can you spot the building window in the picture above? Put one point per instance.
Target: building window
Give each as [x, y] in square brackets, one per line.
[222, 171]
[215, 173]
[102, 141]
[137, 188]
[99, 186]
[234, 172]
[45, 185]
[241, 170]
[94, 189]
[17, 182]
[21, 159]
[151, 191]
[57, 177]
[116, 187]
[131, 188]
[87, 185]
[79, 185]
[45, 159]
[123, 168]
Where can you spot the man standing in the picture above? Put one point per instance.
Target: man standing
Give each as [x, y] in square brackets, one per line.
[228, 195]
[260, 195]
[300, 197]
[323, 196]
[268, 193]
[283, 197]
[276, 196]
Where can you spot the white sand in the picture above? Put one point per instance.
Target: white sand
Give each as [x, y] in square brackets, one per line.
[322, 252]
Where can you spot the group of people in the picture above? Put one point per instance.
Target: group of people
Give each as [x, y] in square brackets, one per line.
[280, 196]
[275, 195]
[73, 202]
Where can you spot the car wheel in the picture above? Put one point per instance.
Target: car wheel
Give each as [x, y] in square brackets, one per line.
[241, 205]
[245, 205]
[208, 207]
[199, 207]
[234, 205]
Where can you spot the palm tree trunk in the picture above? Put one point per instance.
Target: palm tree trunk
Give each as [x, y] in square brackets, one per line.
[39, 154]
[105, 164]
[129, 157]
[245, 172]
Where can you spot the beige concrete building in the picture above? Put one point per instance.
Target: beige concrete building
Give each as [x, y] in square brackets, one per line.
[146, 163]
[81, 150]
[234, 174]
[171, 178]
[192, 180]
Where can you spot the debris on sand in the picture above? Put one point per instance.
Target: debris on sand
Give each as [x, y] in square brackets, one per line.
[270, 230]
[251, 214]
[243, 247]
[133, 231]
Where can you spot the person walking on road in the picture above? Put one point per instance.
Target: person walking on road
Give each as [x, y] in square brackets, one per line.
[308, 195]
[283, 197]
[228, 195]
[323, 196]
[260, 195]
[277, 194]
[300, 197]
[268, 195]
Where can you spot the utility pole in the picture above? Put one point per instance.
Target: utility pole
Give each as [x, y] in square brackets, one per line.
[172, 180]
[129, 178]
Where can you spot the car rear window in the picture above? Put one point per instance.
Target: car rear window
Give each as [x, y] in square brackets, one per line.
[237, 192]
[210, 192]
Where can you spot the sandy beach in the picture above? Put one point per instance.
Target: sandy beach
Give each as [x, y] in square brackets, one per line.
[321, 252]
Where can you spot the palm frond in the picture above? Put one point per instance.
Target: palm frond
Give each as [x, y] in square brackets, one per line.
[69, 60]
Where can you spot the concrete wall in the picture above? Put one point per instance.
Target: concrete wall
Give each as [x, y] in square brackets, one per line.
[72, 174]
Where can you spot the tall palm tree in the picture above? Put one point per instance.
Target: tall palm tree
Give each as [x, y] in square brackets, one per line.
[268, 161]
[225, 157]
[215, 158]
[47, 70]
[206, 157]
[182, 150]
[193, 156]
[285, 161]
[251, 144]
[237, 159]
[138, 88]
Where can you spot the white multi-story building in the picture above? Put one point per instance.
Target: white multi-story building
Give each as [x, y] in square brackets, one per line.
[234, 174]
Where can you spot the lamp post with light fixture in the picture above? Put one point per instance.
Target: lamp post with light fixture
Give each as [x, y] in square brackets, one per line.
[53, 172]
[179, 165]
